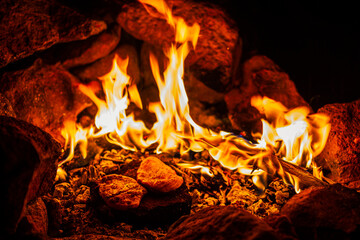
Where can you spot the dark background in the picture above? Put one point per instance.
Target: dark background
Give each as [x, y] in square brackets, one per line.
[317, 43]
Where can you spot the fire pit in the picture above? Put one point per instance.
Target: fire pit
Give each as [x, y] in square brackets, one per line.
[148, 124]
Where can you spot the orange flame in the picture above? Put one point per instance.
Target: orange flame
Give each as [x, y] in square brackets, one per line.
[294, 135]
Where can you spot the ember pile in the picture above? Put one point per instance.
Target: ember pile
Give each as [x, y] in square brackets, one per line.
[143, 120]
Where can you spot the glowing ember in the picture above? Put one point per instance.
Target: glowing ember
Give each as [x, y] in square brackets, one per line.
[295, 136]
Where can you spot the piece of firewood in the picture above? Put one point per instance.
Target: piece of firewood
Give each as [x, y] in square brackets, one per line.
[306, 178]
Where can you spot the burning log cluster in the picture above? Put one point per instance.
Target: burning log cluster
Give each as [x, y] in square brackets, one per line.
[136, 103]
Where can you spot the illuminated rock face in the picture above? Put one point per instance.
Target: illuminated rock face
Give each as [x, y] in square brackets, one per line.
[121, 192]
[157, 176]
[325, 212]
[341, 154]
[221, 222]
[39, 25]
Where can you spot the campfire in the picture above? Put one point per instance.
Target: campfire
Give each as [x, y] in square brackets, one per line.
[146, 156]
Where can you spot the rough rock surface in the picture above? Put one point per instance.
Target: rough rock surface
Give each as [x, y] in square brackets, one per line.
[261, 76]
[121, 192]
[220, 222]
[103, 66]
[341, 155]
[213, 56]
[157, 176]
[44, 95]
[331, 212]
[282, 226]
[5, 107]
[28, 26]
[92, 49]
[35, 221]
[28, 167]
[165, 208]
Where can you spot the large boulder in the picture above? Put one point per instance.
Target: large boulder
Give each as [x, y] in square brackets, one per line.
[44, 95]
[221, 222]
[331, 212]
[28, 167]
[261, 76]
[28, 26]
[341, 156]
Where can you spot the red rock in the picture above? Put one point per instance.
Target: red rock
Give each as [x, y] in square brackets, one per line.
[5, 107]
[213, 56]
[341, 157]
[282, 226]
[44, 95]
[331, 212]
[103, 66]
[90, 50]
[221, 222]
[28, 167]
[261, 76]
[35, 221]
[157, 176]
[28, 26]
[121, 192]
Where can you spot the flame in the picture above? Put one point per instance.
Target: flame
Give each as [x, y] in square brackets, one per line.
[295, 136]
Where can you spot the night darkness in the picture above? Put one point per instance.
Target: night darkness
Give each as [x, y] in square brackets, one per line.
[316, 43]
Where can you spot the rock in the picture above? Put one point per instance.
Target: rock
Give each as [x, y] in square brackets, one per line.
[103, 66]
[213, 55]
[44, 95]
[261, 76]
[5, 107]
[35, 221]
[108, 166]
[331, 212]
[341, 156]
[28, 26]
[221, 222]
[28, 167]
[55, 215]
[157, 176]
[282, 225]
[92, 49]
[166, 208]
[121, 192]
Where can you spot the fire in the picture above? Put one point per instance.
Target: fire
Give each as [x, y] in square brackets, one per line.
[295, 136]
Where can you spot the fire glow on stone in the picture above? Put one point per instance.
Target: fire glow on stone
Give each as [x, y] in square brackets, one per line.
[293, 135]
